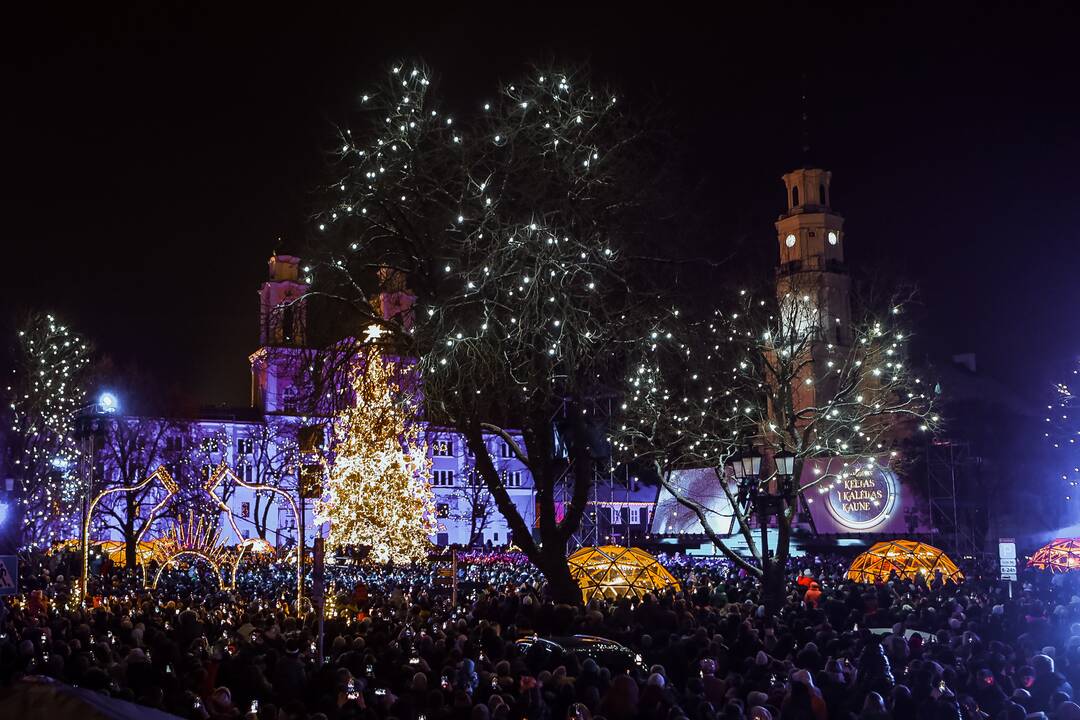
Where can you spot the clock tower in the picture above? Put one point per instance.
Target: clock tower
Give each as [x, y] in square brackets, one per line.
[811, 266]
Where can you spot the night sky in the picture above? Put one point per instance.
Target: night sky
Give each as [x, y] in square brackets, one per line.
[152, 155]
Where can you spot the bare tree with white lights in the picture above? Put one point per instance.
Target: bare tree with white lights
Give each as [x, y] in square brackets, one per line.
[776, 377]
[495, 247]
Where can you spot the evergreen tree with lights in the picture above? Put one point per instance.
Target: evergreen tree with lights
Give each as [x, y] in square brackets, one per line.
[44, 393]
[377, 494]
[497, 247]
[706, 390]
[1063, 434]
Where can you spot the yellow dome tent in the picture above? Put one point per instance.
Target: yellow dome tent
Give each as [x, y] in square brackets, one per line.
[907, 558]
[145, 551]
[612, 572]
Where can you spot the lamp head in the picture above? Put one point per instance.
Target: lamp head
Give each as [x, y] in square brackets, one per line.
[108, 403]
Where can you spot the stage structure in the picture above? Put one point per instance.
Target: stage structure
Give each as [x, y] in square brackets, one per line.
[907, 558]
[612, 572]
[838, 496]
[1058, 556]
[196, 540]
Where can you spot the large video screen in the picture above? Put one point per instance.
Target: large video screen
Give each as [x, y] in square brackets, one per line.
[847, 495]
[701, 484]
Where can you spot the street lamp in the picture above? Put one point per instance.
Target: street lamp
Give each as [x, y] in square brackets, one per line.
[785, 469]
[751, 464]
[107, 403]
[785, 464]
[88, 428]
[737, 468]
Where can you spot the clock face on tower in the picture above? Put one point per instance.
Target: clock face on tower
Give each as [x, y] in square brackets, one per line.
[790, 241]
[833, 239]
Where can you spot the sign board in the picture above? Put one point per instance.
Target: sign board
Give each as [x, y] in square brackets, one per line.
[9, 575]
[1007, 558]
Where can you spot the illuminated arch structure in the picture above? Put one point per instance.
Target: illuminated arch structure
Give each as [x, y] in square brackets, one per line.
[199, 540]
[907, 558]
[195, 540]
[613, 572]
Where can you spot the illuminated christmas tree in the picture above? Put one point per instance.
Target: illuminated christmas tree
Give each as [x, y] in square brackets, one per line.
[1063, 430]
[378, 495]
[43, 396]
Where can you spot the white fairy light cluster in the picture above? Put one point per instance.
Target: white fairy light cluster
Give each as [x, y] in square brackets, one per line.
[1063, 434]
[44, 394]
[767, 376]
[493, 244]
[498, 220]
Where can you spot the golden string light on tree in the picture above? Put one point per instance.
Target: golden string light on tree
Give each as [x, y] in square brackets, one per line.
[377, 491]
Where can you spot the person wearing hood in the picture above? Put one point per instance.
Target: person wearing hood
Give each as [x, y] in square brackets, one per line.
[621, 700]
[817, 700]
[812, 598]
[1047, 682]
[289, 677]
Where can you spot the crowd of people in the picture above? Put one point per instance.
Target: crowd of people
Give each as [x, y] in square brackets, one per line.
[396, 645]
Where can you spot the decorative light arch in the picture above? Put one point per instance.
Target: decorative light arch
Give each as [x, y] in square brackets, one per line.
[171, 488]
[175, 556]
[162, 475]
[224, 471]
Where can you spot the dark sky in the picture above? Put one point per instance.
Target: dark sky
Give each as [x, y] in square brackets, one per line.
[154, 153]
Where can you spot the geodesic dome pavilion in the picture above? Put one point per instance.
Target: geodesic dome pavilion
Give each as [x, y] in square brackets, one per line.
[1057, 556]
[614, 572]
[909, 559]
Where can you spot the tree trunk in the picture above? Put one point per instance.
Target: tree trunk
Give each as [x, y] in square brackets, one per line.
[550, 554]
[561, 584]
[774, 586]
[472, 520]
[260, 515]
[129, 535]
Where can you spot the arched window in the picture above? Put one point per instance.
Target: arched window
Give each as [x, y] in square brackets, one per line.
[794, 197]
[288, 401]
[821, 194]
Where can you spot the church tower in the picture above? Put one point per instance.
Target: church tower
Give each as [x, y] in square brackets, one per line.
[282, 315]
[282, 334]
[812, 284]
[811, 240]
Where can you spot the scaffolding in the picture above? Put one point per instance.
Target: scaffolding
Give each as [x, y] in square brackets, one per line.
[951, 465]
[595, 528]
